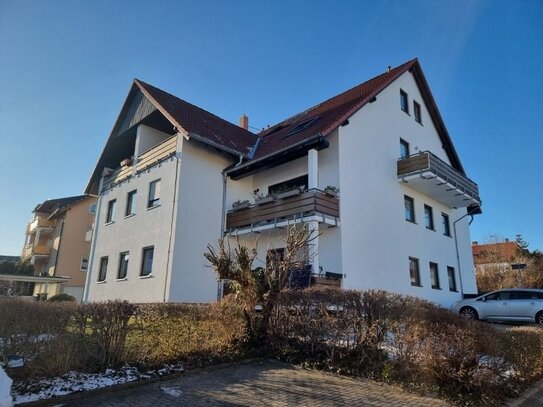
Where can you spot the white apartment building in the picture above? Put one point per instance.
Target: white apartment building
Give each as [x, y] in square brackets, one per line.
[173, 178]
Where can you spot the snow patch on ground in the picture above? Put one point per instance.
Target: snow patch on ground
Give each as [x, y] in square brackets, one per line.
[5, 386]
[171, 391]
[73, 382]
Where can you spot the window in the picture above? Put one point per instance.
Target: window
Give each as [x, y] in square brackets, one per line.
[416, 111]
[123, 265]
[84, 264]
[154, 194]
[92, 209]
[434, 275]
[111, 207]
[428, 217]
[404, 149]
[302, 126]
[452, 278]
[147, 261]
[404, 103]
[446, 225]
[409, 208]
[103, 269]
[414, 271]
[131, 203]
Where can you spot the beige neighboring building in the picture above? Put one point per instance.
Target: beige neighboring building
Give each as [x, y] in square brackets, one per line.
[58, 241]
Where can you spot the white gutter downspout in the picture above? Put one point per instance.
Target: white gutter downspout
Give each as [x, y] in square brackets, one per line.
[458, 253]
[106, 172]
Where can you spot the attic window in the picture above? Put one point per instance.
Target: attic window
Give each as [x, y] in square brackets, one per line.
[276, 129]
[302, 126]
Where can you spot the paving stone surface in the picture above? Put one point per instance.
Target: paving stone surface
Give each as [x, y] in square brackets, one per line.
[267, 383]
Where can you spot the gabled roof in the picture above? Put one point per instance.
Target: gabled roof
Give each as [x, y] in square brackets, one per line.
[499, 252]
[52, 205]
[323, 118]
[142, 105]
[270, 147]
[198, 122]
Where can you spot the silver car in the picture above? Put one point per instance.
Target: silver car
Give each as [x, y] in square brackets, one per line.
[514, 304]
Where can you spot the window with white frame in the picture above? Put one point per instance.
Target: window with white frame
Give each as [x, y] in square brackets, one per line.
[111, 209]
[414, 271]
[434, 276]
[123, 265]
[452, 278]
[147, 260]
[154, 194]
[429, 217]
[409, 206]
[404, 101]
[84, 264]
[102, 272]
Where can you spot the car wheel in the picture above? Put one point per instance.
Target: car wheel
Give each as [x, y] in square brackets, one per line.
[469, 313]
[539, 318]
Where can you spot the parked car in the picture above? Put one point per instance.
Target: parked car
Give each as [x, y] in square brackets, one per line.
[514, 304]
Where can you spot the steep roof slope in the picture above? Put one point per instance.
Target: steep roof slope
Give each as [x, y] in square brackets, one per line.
[198, 122]
[52, 205]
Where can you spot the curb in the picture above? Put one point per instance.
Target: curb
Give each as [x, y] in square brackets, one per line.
[53, 401]
[526, 395]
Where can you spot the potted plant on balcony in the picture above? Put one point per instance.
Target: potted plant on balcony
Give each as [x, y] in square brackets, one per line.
[239, 204]
[261, 199]
[288, 192]
[332, 190]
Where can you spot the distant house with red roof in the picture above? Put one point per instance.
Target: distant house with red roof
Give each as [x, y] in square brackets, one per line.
[495, 255]
[372, 170]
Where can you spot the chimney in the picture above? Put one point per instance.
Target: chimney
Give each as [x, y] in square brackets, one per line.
[389, 68]
[244, 122]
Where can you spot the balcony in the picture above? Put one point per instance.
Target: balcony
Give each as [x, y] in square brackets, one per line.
[40, 223]
[38, 250]
[429, 175]
[312, 205]
[151, 157]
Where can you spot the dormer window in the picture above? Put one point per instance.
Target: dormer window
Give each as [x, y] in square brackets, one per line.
[404, 101]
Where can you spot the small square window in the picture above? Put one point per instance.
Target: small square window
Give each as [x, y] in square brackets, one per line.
[416, 111]
[92, 208]
[404, 101]
[111, 209]
[103, 269]
[452, 278]
[434, 275]
[84, 265]
[428, 217]
[404, 149]
[409, 205]
[147, 261]
[414, 271]
[445, 224]
[123, 265]
[154, 194]
[131, 203]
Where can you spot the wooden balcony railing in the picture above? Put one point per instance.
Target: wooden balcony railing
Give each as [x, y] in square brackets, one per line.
[40, 223]
[151, 157]
[312, 202]
[41, 250]
[425, 162]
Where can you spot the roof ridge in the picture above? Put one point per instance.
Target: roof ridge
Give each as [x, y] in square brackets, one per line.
[145, 84]
[337, 96]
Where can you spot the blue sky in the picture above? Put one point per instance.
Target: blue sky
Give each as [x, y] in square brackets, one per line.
[66, 67]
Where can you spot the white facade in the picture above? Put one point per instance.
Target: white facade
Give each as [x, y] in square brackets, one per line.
[369, 244]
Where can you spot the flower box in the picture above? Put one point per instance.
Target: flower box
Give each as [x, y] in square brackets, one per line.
[264, 200]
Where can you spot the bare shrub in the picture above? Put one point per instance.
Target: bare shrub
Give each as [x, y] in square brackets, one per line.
[524, 351]
[102, 329]
[171, 332]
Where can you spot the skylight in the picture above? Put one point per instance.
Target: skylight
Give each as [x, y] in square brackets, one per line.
[302, 126]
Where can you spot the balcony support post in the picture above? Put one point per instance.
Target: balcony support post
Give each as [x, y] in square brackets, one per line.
[313, 228]
[312, 169]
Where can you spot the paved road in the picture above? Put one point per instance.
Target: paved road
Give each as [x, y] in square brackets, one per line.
[259, 384]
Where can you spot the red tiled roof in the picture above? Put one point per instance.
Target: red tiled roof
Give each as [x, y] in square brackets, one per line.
[502, 252]
[199, 122]
[330, 113]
